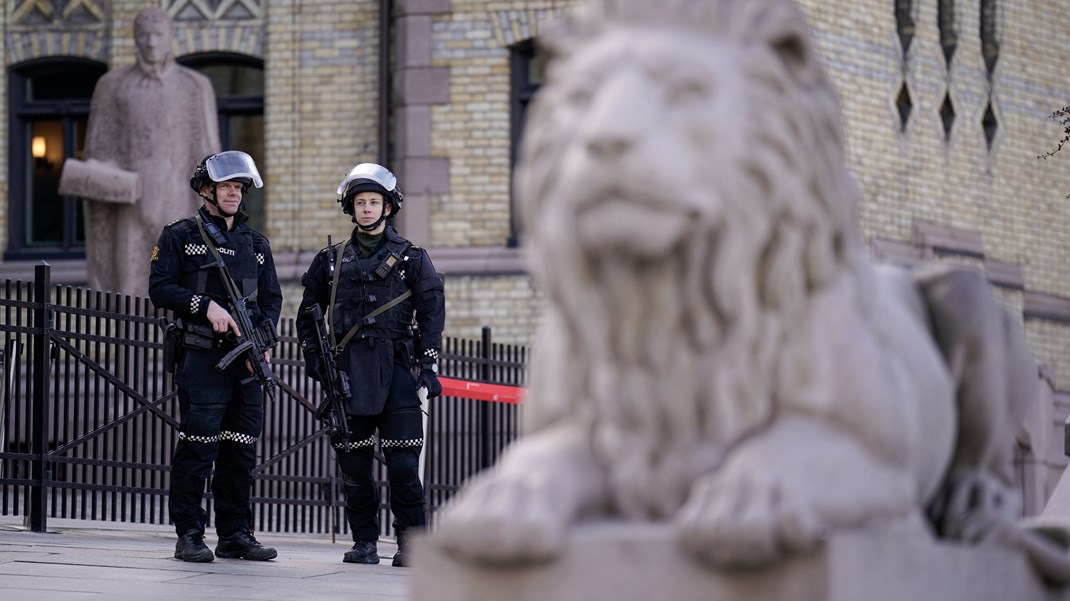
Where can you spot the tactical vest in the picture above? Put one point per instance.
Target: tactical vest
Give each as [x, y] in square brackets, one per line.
[366, 284]
[240, 255]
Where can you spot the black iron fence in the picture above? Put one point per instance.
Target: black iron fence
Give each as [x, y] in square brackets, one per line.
[88, 417]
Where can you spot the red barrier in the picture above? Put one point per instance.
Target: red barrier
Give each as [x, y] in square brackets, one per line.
[481, 391]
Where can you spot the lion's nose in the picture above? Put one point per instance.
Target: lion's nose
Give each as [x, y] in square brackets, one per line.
[608, 147]
[618, 114]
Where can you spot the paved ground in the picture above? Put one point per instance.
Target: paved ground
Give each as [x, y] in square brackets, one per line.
[82, 560]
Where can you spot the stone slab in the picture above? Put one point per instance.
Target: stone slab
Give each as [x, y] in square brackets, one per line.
[640, 563]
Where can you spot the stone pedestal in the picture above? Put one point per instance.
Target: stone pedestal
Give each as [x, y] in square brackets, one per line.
[643, 562]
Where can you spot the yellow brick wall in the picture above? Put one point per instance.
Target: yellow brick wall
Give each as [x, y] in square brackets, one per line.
[321, 117]
[321, 114]
[509, 305]
[1005, 193]
[472, 131]
[1013, 199]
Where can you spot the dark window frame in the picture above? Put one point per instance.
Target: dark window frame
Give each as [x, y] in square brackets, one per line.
[236, 106]
[230, 105]
[20, 119]
[521, 92]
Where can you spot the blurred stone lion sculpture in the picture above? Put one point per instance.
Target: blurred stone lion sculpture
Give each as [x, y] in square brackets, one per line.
[718, 351]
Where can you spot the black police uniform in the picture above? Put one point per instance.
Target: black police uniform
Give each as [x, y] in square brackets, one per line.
[221, 418]
[379, 359]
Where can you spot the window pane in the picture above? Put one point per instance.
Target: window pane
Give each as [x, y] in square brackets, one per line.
[62, 84]
[45, 215]
[536, 65]
[235, 80]
[247, 134]
[239, 90]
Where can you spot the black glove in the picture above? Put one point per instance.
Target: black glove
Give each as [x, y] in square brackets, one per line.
[429, 380]
[313, 364]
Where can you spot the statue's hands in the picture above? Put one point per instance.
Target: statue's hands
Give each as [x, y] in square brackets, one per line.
[220, 319]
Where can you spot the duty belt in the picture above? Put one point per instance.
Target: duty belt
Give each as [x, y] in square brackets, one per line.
[204, 337]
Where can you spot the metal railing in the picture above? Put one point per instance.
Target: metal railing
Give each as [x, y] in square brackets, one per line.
[88, 417]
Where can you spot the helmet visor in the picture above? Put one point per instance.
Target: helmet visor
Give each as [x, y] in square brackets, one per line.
[233, 164]
[377, 173]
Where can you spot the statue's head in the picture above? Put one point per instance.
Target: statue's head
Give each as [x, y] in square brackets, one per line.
[153, 36]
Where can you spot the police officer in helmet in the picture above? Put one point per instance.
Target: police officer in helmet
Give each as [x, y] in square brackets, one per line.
[388, 356]
[222, 412]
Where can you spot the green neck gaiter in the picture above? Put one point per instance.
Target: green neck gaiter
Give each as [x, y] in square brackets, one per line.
[366, 244]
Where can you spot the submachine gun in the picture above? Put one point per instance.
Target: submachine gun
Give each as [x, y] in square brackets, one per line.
[254, 341]
[336, 389]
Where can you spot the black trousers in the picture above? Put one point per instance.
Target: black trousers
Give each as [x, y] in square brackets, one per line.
[400, 428]
[221, 419]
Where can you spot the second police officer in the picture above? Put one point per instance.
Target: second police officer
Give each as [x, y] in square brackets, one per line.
[388, 355]
[221, 412]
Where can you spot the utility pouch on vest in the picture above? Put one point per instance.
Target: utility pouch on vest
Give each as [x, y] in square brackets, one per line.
[198, 336]
[172, 340]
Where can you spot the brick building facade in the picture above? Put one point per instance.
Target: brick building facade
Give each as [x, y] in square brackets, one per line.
[945, 106]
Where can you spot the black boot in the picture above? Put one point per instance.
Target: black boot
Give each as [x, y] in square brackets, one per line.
[401, 557]
[191, 547]
[363, 551]
[243, 545]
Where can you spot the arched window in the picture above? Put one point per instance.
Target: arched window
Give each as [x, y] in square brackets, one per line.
[238, 81]
[49, 100]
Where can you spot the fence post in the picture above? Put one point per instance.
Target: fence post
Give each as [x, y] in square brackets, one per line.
[484, 407]
[3, 405]
[42, 346]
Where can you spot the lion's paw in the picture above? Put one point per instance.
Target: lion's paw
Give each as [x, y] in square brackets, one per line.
[974, 506]
[502, 520]
[745, 521]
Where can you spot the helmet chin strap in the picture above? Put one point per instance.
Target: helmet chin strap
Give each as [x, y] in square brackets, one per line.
[215, 202]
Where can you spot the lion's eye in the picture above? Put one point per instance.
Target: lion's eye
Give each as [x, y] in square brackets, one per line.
[579, 98]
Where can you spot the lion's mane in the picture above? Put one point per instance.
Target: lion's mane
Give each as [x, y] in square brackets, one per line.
[671, 347]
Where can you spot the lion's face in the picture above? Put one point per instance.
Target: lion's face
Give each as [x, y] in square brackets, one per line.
[634, 144]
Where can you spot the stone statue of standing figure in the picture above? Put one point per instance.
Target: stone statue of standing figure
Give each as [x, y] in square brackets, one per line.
[149, 124]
